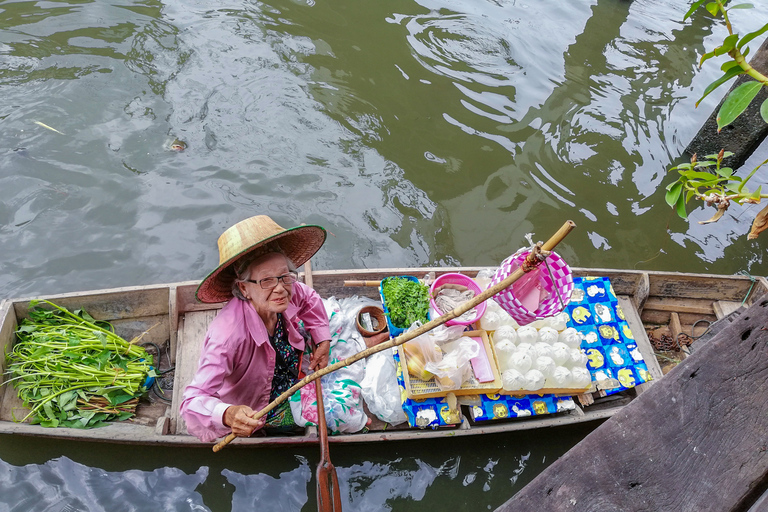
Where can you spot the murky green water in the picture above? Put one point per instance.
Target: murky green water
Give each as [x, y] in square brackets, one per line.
[417, 132]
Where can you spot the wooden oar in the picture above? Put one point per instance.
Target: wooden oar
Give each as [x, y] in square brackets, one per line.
[408, 336]
[328, 494]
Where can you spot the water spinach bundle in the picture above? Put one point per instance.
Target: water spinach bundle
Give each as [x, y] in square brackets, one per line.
[73, 371]
[407, 301]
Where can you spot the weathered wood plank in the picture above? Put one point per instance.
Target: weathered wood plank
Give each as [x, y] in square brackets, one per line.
[641, 337]
[724, 308]
[8, 399]
[694, 441]
[192, 329]
[110, 305]
[693, 306]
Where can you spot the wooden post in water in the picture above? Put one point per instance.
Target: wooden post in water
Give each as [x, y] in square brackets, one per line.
[696, 440]
[746, 133]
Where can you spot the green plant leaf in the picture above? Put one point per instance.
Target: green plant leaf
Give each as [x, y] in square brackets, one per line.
[741, 6]
[720, 81]
[747, 38]
[736, 102]
[728, 44]
[764, 111]
[726, 154]
[673, 193]
[695, 6]
[712, 8]
[680, 207]
[725, 172]
[756, 194]
[729, 64]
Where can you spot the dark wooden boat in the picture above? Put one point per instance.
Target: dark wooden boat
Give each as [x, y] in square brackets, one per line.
[658, 307]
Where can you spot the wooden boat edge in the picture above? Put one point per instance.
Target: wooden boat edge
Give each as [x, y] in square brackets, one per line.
[179, 298]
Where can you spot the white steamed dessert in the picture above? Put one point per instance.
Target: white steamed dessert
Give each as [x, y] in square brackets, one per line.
[524, 347]
[534, 380]
[548, 335]
[570, 337]
[561, 377]
[577, 358]
[513, 380]
[490, 321]
[545, 365]
[527, 334]
[561, 353]
[520, 361]
[506, 331]
[559, 321]
[504, 347]
[542, 349]
[580, 378]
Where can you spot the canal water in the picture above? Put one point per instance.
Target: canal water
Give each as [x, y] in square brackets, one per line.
[418, 132]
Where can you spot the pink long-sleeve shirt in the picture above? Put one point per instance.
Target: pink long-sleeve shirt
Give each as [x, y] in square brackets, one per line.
[237, 362]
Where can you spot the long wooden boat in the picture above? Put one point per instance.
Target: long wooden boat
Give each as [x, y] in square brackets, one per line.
[659, 304]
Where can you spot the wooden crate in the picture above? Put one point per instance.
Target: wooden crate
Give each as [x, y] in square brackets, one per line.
[543, 391]
[417, 389]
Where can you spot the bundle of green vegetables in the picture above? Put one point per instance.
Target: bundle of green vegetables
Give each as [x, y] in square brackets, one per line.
[73, 371]
[407, 301]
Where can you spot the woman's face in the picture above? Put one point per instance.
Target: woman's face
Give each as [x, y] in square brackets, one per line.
[268, 302]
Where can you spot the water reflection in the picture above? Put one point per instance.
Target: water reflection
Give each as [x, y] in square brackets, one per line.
[62, 485]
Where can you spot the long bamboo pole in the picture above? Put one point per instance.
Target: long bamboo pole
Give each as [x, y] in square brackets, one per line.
[407, 336]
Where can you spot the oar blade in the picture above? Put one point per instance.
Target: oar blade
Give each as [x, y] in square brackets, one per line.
[328, 495]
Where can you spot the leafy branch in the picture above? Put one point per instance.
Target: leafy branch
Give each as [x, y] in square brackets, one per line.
[707, 180]
[739, 99]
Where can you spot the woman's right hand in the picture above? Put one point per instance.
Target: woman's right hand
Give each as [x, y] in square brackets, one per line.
[238, 418]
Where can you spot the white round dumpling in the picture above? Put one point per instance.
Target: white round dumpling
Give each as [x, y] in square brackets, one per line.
[504, 346]
[578, 359]
[559, 321]
[506, 319]
[542, 349]
[520, 361]
[548, 335]
[561, 353]
[490, 321]
[538, 324]
[524, 347]
[527, 334]
[570, 337]
[580, 378]
[513, 380]
[545, 365]
[561, 377]
[534, 380]
[506, 331]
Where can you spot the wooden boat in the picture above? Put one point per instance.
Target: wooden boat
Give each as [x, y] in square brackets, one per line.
[659, 304]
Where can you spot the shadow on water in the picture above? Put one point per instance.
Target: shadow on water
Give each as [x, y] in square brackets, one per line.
[471, 473]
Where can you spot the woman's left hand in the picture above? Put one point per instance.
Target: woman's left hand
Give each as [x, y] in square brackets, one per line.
[319, 359]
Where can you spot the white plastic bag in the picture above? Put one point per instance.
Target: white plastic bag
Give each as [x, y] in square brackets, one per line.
[380, 390]
[455, 367]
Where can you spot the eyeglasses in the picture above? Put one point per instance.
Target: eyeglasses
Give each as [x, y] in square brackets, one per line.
[271, 282]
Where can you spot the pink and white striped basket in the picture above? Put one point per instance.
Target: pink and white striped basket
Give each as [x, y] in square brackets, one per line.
[563, 283]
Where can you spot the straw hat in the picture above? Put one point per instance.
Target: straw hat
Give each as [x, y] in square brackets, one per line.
[248, 235]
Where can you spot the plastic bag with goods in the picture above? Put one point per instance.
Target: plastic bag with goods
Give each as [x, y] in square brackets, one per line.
[455, 367]
[426, 349]
[380, 390]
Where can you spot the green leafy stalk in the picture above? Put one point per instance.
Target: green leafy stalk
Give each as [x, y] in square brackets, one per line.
[71, 370]
[406, 301]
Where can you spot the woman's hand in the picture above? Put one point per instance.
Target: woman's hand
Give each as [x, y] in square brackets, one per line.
[319, 359]
[238, 418]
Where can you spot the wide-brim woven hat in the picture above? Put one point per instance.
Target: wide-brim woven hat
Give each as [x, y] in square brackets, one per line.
[299, 244]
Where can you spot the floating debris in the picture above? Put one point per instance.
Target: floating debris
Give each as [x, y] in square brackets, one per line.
[48, 127]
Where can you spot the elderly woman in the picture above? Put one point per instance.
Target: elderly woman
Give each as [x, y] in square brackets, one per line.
[253, 349]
